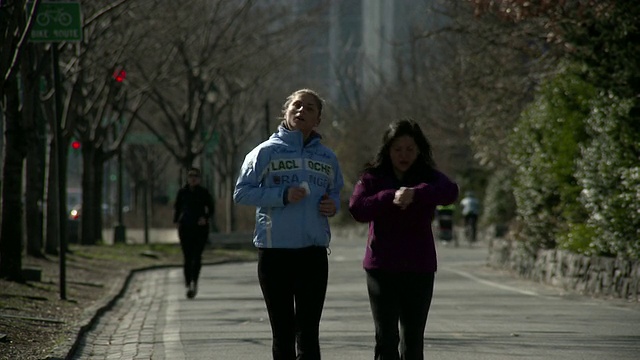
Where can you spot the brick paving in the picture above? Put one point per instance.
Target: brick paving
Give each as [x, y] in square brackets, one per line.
[128, 330]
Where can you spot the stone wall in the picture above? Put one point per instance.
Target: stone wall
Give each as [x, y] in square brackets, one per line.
[589, 275]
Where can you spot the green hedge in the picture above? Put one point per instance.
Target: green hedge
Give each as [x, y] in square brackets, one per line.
[609, 173]
[499, 206]
[544, 148]
[576, 154]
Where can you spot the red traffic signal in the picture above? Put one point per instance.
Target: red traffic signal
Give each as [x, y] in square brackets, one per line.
[119, 75]
[75, 145]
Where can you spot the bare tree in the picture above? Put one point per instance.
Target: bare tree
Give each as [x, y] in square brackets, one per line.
[243, 116]
[503, 65]
[459, 73]
[15, 25]
[195, 68]
[145, 163]
[202, 74]
[357, 112]
[100, 103]
[416, 85]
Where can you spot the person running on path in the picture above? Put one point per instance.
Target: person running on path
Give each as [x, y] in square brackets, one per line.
[470, 211]
[397, 195]
[193, 210]
[295, 182]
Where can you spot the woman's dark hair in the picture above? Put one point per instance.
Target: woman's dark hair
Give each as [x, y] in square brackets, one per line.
[422, 168]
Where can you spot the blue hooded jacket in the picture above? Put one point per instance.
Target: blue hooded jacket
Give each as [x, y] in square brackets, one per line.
[267, 172]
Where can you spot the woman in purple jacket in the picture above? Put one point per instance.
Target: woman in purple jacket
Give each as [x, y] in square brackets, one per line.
[397, 195]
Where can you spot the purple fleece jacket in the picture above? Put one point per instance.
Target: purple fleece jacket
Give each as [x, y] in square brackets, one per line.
[400, 240]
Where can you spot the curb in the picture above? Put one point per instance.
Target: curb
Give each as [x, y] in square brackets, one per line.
[67, 349]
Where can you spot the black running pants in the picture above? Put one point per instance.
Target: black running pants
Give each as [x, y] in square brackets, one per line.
[294, 285]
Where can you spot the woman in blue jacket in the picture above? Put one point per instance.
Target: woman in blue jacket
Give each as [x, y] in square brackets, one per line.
[397, 195]
[294, 181]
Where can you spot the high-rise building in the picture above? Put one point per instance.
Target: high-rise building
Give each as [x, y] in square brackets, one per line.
[365, 42]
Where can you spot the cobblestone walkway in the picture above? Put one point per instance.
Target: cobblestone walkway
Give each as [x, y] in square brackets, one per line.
[128, 330]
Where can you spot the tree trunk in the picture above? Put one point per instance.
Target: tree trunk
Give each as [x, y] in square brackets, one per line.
[151, 185]
[230, 182]
[11, 236]
[99, 161]
[34, 195]
[228, 199]
[92, 183]
[52, 244]
[55, 190]
[88, 214]
[36, 152]
[146, 212]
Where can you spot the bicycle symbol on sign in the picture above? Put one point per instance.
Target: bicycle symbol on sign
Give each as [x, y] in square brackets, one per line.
[55, 15]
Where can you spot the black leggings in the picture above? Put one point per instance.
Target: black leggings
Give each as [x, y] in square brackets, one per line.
[403, 297]
[294, 285]
[192, 241]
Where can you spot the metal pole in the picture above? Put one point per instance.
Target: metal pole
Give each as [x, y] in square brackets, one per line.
[120, 230]
[120, 220]
[57, 162]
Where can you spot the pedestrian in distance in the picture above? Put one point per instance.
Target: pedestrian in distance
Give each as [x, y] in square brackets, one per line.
[295, 182]
[193, 210]
[396, 195]
[470, 211]
[444, 219]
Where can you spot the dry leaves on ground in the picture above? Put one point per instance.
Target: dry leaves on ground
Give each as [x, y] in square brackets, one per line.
[35, 323]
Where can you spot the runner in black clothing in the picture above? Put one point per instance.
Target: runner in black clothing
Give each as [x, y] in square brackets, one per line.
[192, 211]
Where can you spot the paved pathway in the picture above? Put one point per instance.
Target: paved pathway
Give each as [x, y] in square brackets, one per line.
[476, 314]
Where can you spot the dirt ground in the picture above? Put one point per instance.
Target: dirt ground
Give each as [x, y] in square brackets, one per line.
[35, 323]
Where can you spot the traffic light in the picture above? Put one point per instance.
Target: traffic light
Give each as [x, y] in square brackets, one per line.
[75, 149]
[119, 75]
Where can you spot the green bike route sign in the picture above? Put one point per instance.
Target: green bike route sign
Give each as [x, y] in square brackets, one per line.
[57, 21]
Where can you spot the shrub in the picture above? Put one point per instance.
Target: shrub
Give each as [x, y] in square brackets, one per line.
[544, 146]
[609, 173]
[499, 204]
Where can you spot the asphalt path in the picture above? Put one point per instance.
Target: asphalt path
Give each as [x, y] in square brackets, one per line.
[477, 313]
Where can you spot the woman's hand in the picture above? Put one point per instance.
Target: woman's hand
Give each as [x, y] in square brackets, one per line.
[404, 197]
[295, 194]
[327, 206]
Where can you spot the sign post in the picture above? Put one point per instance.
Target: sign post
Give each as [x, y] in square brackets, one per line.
[56, 22]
